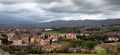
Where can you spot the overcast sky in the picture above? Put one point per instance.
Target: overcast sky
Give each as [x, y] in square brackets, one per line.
[51, 10]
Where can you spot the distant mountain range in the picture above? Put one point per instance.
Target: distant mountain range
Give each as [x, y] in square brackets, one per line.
[71, 23]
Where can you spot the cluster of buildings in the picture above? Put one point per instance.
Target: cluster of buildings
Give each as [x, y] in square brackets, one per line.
[24, 38]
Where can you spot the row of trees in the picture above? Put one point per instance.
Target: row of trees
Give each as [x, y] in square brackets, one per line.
[80, 44]
[67, 30]
[99, 38]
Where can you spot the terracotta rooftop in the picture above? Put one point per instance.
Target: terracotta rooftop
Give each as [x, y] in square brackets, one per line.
[48, 47]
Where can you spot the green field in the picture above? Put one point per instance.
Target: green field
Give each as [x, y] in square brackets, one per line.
[61, 54]
[64, 54]
[100, 50]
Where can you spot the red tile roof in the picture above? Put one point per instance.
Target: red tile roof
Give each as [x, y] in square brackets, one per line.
[48, 47]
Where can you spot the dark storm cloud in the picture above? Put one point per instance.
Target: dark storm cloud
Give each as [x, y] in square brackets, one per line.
[47, 10]
[88, 8]
[114, 5]
[113, 2]
[46, 1]
[79, 3]
[23, 1]
[67, 10]
[6, 18]
[81, 7]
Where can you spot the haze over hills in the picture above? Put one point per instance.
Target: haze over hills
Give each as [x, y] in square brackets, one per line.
[70, 23]
[73, 23]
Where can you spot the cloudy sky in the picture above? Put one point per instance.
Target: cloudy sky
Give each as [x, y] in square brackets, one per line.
[51, 10]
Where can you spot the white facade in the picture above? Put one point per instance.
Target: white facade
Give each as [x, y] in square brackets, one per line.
[17, 42]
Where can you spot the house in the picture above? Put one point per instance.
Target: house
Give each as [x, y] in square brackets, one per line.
[87, 34]
[54, 37]
[42, 36]
[81, 34]
[1, 36]
[113, 38]
[10, 34]
[84, 34]
[73, 50]
[3, 30]
[17, 42]
[58, 45]
[47, 48]
[37, 39]
[25, 39]
[111, 33]
[12, 38]
[44, 42]
[71, 36]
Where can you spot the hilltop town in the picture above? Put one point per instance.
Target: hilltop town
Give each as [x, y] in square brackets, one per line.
[36, 40]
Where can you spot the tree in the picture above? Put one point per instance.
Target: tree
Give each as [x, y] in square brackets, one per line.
[62, 50]
[51, 41]
[46, 36]
[88, 45]
[79, 37]
[97, 37]
[93, 29]
[67, 29]
[76, 43]
[114, 29]
[39, 33]
[5, 41]
[4, 35]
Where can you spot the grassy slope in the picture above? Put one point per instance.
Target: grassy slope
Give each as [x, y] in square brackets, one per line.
[64, 54]
[100, 50]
